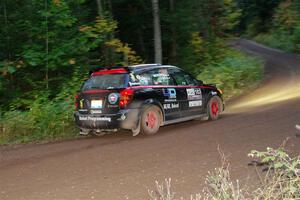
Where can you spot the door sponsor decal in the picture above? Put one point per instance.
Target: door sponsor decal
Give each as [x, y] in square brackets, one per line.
[195, 103]
[88, 118]
[194, 93]
[170, 94]
[169, 106]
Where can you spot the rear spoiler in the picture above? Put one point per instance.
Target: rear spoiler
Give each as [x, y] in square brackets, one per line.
[107, 68]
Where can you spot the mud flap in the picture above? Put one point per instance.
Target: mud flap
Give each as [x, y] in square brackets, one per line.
[136, 130]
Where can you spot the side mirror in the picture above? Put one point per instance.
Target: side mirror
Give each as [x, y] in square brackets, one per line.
[200, 82]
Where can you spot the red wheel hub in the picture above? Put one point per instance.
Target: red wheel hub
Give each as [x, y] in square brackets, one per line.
[215, 108]
[151, 120]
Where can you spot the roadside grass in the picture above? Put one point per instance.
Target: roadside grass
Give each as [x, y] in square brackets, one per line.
[234, 74]
[279, 180]
[282, 41]
[44, 121]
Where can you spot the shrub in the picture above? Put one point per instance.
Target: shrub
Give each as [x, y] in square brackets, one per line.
[15, 126]
[278, 40]
[280, 179]
[163, 191]
[44, 121]
[235, 73]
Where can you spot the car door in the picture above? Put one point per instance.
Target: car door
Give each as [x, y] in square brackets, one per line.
[192, 93]
[164, 89]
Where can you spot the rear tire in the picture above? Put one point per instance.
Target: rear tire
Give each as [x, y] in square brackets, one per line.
[150, 120]
[214, 108]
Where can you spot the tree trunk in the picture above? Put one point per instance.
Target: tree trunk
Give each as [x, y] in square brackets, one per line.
[110, 7]
[141, 42]
[47, 47]
[100, 9]
[7, 32]
[173, 55]
[157, 32]
[11, 84]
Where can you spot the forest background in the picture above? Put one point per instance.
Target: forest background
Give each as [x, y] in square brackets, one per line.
[48, 47]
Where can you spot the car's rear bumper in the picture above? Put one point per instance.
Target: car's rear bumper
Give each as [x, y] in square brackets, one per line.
[124, 119]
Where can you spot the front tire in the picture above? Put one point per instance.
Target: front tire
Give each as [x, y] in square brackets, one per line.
[150, 120]
[214, 108]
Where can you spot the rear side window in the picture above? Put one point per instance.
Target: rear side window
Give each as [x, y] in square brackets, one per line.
[155, 77]
[106, 81]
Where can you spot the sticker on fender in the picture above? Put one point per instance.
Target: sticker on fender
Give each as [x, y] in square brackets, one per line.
[95, 119]
[195, 103]
[171, 106]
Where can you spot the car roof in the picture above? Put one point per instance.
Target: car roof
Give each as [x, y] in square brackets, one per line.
[144, 67]
[132, 68]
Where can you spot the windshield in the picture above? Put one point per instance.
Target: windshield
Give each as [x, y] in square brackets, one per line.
[106, 81]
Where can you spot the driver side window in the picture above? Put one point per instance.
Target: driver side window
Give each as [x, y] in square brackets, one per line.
[182, 78]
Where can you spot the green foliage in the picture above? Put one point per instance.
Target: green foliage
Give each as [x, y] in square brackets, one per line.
[220, 186]
[283, 33]
[98, 32]
[283, 176]
[278, 41]
[47, 61]
[285, 18]
[129, 56]
[222, 16]
[46, 120]
[233, 73]
[256, 15]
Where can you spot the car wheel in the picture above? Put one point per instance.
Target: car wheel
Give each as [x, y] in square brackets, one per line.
[214, 108]
[150, 120]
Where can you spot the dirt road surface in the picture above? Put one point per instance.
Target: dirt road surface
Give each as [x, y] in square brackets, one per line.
[125, 167]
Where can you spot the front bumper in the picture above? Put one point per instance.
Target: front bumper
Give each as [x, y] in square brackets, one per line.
[124, 119]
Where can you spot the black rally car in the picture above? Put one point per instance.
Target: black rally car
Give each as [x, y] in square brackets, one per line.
[142, 98]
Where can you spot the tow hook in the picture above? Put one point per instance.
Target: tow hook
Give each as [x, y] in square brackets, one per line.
[84, 132]
[122, 118]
